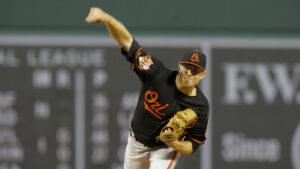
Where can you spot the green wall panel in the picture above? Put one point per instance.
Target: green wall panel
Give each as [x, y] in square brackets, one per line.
[236, 16]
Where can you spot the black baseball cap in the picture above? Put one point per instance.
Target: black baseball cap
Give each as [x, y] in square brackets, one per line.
[196, 58]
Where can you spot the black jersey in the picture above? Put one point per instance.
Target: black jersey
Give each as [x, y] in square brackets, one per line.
[160, 99]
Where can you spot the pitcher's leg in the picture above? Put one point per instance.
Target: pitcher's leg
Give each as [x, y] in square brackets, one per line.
[164, 158]
[136, 155]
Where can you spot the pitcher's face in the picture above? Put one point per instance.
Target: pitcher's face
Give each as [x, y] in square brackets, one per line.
[189, 75]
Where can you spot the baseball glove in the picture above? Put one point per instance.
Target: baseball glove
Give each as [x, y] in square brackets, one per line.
[178, 123]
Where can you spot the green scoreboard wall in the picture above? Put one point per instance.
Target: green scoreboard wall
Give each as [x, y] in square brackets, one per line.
[66, 103]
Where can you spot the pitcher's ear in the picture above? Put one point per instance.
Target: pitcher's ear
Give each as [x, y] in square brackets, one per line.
[203, 74]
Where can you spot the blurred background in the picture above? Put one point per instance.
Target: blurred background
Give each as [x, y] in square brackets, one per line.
[67, 94]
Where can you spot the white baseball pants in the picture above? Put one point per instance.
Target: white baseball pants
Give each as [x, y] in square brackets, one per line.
[138, 156]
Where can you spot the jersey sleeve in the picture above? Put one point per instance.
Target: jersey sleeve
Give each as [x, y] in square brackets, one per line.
[197, 134]
[142, 63]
